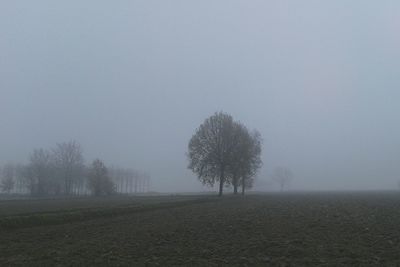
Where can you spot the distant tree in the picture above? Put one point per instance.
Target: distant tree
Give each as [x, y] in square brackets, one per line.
[210, 150]
[237, 166]
[8, 178]
[7, 184]
[246, 158]
[253, 160]
[282, 176]
[125, 180]
[40, 173]
[69, 164]
[146, 182]
[116, 174]
[20, 178]
[98, 180]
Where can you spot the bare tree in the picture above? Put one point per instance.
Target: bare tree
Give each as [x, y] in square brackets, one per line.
[8, 178]
[99, 181]
[40, 173]
[69, 164]
[147, 180]
[211, 148]
[20, 178]
[253, 160]
[129, 181]
[117, 177]
[246, 158]
[239, 154]
[282, 176]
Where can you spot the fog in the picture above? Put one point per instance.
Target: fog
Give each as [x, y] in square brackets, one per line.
[132, 80]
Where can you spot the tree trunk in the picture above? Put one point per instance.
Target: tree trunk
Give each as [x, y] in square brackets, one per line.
[243, 185]
[235, 185]
[221, 183]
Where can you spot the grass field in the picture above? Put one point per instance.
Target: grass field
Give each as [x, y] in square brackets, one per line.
[298, 229]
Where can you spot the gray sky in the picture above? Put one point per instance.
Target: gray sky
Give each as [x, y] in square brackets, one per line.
[131, 80]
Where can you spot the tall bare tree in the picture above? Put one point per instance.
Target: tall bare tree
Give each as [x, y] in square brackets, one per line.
[99, 181]
[252, 160]
[69, 164]
[40, 173]
[8, 178]
[20, 178]
[282, 176]
[246, 158]
[211, 148]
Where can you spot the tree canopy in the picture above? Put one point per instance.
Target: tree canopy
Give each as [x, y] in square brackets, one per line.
[224, 151]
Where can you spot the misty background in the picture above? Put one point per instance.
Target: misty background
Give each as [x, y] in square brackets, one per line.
[132, 80]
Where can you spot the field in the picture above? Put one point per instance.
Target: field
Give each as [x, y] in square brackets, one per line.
[297, 229]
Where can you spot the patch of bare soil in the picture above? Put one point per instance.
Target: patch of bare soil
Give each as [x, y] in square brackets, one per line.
[263, 230]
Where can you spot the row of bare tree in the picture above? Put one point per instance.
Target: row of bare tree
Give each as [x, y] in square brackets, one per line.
[61, 171]
[130, 181]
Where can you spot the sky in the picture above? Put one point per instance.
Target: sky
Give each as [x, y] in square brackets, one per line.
[132, 80]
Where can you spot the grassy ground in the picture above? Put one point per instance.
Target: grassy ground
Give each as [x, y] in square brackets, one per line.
[274, 229]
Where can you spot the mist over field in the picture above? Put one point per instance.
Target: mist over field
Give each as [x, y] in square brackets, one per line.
[132, 80]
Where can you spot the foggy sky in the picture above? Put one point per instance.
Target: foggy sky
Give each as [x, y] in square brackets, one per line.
[131, 81]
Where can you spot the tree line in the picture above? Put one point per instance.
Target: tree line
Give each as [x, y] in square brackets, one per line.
[62, 171]
[224, 151]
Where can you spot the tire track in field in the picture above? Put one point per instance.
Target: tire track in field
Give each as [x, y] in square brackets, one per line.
[76, 215]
